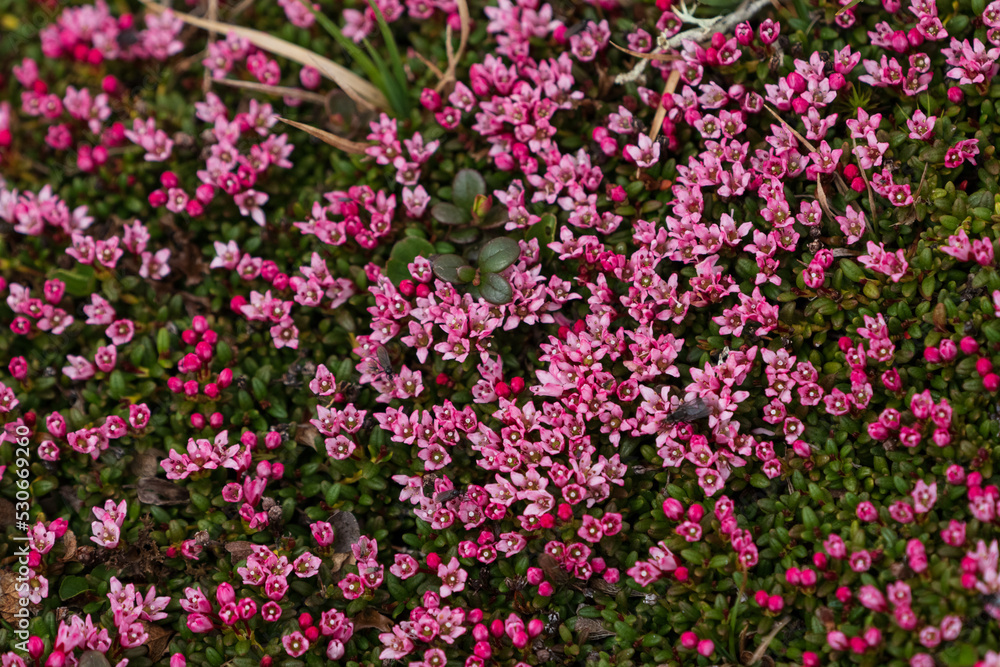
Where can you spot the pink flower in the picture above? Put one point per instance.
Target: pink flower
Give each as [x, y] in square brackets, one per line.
[452, 577]
[295, 644]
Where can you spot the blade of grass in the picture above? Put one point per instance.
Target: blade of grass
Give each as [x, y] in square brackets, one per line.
[390, 88]
[363, 61]
[353, 147]
[394, 58]
[284, 91]
[358, 89]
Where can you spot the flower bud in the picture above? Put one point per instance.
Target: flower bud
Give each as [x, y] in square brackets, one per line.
[673, 509]
[932, 355]
[272, 440]
[689, 639]
[695, 512]
[545, 589]
[225, 378]
[212, 390]
[535, 627]
[968, 345]
[948, 349]
[955, 95]
[480, 633]
[191, 388]
[991, 382]
[496, 627]
[197, 421]
[520, 639]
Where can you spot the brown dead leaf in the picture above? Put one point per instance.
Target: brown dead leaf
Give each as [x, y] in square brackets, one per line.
[159, 639]
[337, 561]
[69, 542]
[160, 492]
[306, 434]
[9, 599]
[825, 615]
[369, 618]
[147, 463]
[591, 628]
[240, 550]
[7, 514]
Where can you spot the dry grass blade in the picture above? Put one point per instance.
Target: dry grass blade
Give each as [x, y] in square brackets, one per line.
[361, 91]
[463, 41]
[284, 91]
[791, 129]
[868, 185]
[345, 145]
[759, 653]
[661, 111]
[662, 57]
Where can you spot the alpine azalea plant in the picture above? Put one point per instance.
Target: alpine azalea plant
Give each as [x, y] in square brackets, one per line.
[500, 332]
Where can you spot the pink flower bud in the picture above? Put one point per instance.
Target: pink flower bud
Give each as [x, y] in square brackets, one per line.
[225, 378]
[191, 388]
[948, 349]
[797, 82]
[520, 639]
[706, 647]
[545, 589]
[272, 440]
[56, 659]
[681, 574]
[197, 421]
[744, 33]
[775, 603]
[535, 576]
[496, 626]
[991, 382]
[837, 81]
[673, 509]
[480, 633]
[843, 594]
[695, 512]
[955, 95]
[483, 650]
[899, 41]
[212, 390]
[36, 647]
[535, 627]
[932, 355]
[968, 345]
[689, 639]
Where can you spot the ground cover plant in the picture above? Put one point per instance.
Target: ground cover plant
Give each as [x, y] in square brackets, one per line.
[515, 333]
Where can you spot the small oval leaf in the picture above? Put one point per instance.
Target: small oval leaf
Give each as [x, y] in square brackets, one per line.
[498, 254]
[467, 184]
[466, 273]
[496, 289]
[446, 267]
[449, 214]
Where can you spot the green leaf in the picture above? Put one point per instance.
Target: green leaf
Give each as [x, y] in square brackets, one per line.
[851, 270]
[394, 58]
[79, 282]
[496, 289]
[468, 183]
[71, 587]
[498, 254]
[410, 248]
[446, 268]
[356, 54]
[449, 214]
